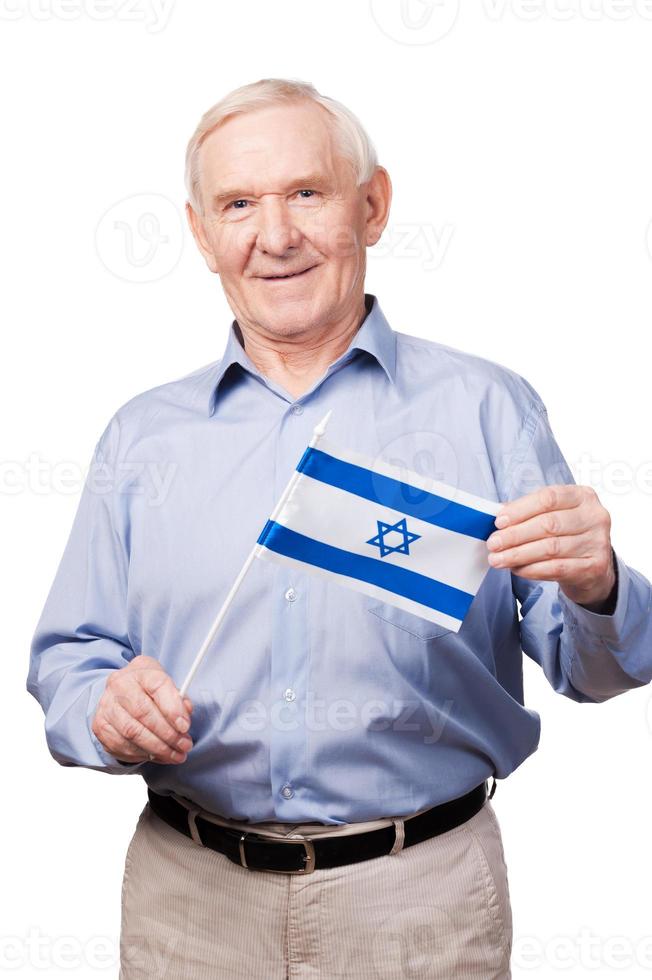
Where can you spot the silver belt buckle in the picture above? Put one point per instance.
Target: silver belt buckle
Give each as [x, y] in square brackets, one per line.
[307, 844]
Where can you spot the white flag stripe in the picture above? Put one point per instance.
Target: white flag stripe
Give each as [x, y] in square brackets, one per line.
[379, 465]
[344, 520]
[367, 588]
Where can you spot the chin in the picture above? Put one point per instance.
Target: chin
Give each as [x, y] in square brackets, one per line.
[290, 313]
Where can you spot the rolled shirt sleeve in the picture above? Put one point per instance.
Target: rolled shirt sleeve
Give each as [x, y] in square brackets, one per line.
[81, 636]
[585, 655]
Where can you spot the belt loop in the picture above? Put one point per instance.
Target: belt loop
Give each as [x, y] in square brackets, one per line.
[192, 825]
[399, 831]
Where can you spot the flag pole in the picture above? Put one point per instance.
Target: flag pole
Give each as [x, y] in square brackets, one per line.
[317, 433]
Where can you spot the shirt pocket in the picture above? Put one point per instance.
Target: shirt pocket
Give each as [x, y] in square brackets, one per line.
[422, 628]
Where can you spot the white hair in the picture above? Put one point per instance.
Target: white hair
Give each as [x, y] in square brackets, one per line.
[353, 141]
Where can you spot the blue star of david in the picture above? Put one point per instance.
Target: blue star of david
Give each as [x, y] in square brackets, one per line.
[400, 527]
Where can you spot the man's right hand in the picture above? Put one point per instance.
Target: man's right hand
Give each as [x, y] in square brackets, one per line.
[141, 713]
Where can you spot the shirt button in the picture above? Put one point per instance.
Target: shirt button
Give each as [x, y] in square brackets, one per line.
[297, 409]
[289, 694]
[287, 791]
[290, 595]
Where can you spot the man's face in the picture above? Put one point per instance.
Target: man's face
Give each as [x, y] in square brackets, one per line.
[284, 225]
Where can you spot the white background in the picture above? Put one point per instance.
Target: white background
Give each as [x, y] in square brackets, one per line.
[519, 142]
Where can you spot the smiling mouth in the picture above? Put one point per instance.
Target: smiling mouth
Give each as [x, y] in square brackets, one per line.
[291, 275]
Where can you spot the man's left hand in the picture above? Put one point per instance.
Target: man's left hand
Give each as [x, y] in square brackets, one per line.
[558, 533]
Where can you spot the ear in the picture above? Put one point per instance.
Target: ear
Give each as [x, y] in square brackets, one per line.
[199, 234]
[379, 199]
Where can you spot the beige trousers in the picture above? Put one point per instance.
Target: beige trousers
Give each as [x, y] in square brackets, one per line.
[438, 910]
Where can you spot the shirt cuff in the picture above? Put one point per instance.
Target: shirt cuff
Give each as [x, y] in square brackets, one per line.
[610, 625]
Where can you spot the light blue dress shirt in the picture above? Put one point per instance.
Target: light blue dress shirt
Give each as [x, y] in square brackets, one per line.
[315, 702]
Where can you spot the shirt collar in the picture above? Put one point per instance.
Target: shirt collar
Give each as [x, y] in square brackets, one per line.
[374, 335]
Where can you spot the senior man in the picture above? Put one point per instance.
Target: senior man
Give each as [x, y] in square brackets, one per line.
[320, 806]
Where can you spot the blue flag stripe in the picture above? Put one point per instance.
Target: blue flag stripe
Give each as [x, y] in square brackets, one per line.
[402, 497]
[412, 585]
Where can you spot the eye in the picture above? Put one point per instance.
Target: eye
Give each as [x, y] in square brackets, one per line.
[306, 193]
[237, 204]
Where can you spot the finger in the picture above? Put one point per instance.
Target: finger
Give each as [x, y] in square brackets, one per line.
[557, 522]
[556, 570]
[556, 497]
[134, 731]
[139, 705]
[163, 692]
[118, 746]
[543, 549]
[138, 719]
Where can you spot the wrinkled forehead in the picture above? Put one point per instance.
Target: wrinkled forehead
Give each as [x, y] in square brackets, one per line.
[266, 149]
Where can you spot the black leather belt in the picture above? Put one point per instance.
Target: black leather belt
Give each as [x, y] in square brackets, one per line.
[301, 855]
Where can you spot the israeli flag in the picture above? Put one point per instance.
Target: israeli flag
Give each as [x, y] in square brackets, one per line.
[388, 532]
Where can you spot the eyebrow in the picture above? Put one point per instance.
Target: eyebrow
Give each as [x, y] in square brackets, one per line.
[314, 181]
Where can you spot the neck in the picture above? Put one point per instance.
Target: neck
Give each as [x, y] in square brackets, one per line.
[296, 363]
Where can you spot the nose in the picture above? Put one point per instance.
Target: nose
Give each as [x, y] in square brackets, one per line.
[277, 232]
